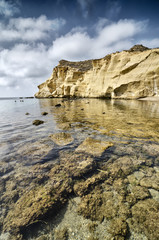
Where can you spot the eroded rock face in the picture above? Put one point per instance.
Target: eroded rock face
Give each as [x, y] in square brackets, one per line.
[128, 74]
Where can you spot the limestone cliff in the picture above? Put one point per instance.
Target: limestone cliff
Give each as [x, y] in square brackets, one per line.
[128, 74]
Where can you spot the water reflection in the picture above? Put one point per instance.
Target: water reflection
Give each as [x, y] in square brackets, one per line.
[137, 119]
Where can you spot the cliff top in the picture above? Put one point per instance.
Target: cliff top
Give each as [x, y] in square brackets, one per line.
[138, 48]
[81, 65]
[86, 65]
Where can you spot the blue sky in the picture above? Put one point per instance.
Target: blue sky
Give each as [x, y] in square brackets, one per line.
[35, 35]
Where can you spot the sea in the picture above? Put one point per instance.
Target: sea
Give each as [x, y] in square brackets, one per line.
[131, 125]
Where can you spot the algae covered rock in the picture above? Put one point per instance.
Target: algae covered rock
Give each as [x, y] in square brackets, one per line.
[150, 182]
[47, 198]
[154, 194]
[145, 218]
[118, 228]
[33, 205]
[93, 146]
[44, 237]
[98, 205]
[140, 193]
[61, 234]
[83, 187]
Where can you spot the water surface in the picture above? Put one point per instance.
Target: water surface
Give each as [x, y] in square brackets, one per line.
[131, 126]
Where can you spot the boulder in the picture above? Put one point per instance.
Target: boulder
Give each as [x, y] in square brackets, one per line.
[37, 122]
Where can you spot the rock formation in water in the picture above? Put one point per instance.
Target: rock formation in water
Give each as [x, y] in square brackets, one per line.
[129, 74]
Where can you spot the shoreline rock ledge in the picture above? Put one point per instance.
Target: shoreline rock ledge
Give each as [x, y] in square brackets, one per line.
[129, 74]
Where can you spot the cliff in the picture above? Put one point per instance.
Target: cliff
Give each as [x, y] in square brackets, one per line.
[129, 74]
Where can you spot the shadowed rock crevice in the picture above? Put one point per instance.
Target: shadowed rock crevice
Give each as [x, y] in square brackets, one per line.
[126, 88]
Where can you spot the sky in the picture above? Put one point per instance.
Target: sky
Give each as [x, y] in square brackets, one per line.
[35, 35]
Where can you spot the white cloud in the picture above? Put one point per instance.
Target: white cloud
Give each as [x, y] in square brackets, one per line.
[3, 82]
[151, 43]
[74, 45]
[109, 37]
[112, 36]
[102, 22]
[29, 29]
[8, 9]
[23, 67]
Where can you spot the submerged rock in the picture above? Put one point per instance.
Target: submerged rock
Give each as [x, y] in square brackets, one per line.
[44, 113]
[118, 228]
[61, 234]
[37, 122]
[58, 105]
[62, 138]
[150, 182]
[93, 146]
[108, 198]
[154, 194]
[145, 218]
[48, 198]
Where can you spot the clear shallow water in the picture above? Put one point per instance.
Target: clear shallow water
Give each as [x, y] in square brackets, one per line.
[104, 119]
[132, 127]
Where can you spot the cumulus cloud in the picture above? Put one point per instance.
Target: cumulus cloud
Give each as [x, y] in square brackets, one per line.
[151, 43]
[76, 45]
[8, 9]
[102, 22]
[29, 29]
[111, 36]
[25, 65]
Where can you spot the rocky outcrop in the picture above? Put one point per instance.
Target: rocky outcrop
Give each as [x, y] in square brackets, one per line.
[128, 74]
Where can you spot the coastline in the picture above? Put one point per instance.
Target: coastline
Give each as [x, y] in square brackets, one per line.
[154, 98]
